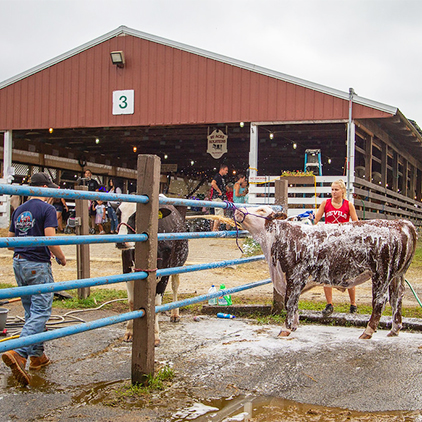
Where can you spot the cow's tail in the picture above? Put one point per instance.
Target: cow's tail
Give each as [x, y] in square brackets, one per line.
[409, 247]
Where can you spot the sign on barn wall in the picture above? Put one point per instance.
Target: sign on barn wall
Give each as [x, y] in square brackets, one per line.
[217, 143]
[123, 102]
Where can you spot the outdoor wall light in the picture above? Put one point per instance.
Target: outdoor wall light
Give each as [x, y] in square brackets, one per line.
[50, 130]
[294, 145]
[166, 156]
[241, 124]
[118, 58]
[271, 135]
[97, 141]
[135, 149]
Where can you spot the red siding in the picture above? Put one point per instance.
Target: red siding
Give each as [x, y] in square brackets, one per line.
[171, 87]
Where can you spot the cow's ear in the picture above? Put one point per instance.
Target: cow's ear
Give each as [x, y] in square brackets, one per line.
[163, 213]
[277, 216]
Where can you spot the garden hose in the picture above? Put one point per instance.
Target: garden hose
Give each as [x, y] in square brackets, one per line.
[18, 322]
[414, 293]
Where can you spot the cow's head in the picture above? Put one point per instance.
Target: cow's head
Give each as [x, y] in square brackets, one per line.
[255, 219]
[128, 222]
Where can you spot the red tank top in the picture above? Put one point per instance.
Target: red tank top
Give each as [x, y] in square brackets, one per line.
[336, 215]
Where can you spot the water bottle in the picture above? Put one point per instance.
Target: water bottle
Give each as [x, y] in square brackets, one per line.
[224, 300]
[227, 316]
[212, 301]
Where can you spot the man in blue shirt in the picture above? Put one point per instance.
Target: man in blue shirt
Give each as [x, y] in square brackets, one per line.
[32, 266]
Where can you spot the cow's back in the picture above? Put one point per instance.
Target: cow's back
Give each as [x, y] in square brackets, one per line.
[174, 223]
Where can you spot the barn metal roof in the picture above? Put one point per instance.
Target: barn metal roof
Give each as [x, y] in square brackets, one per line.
[123, 30]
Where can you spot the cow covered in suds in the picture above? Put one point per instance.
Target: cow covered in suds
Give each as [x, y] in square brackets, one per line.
[338, 255]
[170, 253]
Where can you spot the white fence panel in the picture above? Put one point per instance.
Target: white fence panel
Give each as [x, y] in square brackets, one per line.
[301, 198]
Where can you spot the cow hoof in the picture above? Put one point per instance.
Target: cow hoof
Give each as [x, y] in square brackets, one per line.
[174, 318]
[128, 337]
[157, 343]
[392, 334]
[284, 334]
[365, 336]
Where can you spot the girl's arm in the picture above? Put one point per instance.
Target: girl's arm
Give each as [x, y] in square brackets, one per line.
[320, 211]
[352, 211]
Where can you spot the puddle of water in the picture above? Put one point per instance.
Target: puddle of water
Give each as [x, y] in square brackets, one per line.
[270, 409]
[232, 409]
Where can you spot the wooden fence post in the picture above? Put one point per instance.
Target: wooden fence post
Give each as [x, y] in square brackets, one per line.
[281, 198]
[82, 251]
[146, 259]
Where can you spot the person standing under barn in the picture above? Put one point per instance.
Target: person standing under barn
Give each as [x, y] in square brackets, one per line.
[32, 266]
[337, 210]
[93, 186]
[240, 190]
[112, 207]
[218, 185]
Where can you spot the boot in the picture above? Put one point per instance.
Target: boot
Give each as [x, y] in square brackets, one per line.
[17, 364]
[37, 362]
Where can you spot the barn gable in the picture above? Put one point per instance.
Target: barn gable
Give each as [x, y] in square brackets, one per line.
[174, 84]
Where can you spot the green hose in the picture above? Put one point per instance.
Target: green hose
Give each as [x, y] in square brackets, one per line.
[414, 293]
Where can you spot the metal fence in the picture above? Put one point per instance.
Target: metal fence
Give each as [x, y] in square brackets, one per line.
[143, 350]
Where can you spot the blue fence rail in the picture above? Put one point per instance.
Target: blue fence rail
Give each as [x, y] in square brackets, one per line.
[12, 292]
[98, 281]
[103, 322]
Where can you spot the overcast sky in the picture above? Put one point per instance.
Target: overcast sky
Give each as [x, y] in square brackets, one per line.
[370, 45]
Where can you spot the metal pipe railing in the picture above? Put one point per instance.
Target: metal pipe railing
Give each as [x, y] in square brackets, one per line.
[76, 329]
[12, 292]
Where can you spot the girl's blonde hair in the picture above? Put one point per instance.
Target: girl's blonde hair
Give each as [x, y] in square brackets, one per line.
[342, 187]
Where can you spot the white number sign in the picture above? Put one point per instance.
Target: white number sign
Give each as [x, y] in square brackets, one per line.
[123, 102]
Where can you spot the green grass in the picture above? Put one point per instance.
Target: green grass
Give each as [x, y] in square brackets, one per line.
[417, 260]
[6, 285]
[157, 382]
[95, 299]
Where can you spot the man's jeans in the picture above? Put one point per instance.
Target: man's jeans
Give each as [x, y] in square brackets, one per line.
[37, 307]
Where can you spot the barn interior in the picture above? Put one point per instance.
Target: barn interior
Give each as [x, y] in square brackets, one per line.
[281, 147]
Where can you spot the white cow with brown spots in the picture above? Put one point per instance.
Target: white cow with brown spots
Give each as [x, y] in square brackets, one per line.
[343, 255]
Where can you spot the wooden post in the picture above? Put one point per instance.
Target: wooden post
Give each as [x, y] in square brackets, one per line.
[82, 251]
[281, 198]
[146, 259]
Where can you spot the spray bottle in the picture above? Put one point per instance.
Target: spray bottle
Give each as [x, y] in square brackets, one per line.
[224, 300]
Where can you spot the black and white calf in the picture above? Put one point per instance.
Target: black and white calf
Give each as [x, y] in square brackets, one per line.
[170, 253]
[338, 255]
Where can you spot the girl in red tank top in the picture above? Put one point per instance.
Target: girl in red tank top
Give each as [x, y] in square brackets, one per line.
[337, 215]
[337, 210]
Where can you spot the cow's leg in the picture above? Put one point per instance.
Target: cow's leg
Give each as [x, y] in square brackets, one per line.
[175, 281]
[396, 292]
[158, 302]
[293, 291]
[379, 297]
[129, 326]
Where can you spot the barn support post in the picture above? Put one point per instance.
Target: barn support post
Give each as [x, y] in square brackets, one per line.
[7, 178]
[253, 150]
[82, 251]
[350, 170]
[281, 198]
[8, 170]
[146, 259]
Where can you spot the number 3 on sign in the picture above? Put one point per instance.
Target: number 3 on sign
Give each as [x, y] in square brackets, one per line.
[123, 102]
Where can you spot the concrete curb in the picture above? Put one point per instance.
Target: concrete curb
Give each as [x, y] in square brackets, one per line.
[336, 318]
